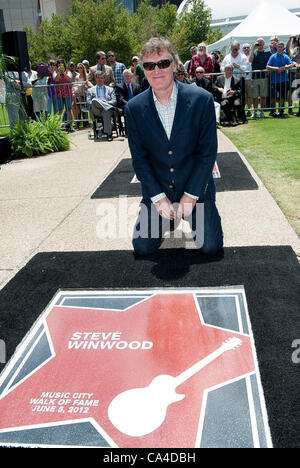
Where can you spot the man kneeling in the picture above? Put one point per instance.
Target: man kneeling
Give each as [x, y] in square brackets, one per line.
[173, 142]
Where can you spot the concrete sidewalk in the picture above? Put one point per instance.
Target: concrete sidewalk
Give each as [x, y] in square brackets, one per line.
[46, 205]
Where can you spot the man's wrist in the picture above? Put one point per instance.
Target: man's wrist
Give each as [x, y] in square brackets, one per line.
[158, 197]
[192, 196]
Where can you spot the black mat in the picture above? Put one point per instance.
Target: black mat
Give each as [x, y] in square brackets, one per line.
[270, 276]
[234, 176]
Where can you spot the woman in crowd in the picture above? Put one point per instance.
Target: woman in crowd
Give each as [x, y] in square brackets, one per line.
[52, 101]
[80, 87]
[63, 78]
[132, 68]
[39, 91]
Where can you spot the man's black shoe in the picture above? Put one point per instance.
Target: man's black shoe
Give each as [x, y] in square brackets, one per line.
[109, 138]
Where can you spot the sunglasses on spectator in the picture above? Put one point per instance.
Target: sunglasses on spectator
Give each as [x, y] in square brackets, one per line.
[110, 55]
[165, 63]
[235, 50]
[180, 73]
[197, 72]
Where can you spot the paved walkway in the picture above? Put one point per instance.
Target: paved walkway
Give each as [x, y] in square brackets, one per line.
[46, 205]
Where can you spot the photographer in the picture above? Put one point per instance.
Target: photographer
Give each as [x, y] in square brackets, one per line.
[63, 78]
[259, 86]
[216, 60]
[294, 54]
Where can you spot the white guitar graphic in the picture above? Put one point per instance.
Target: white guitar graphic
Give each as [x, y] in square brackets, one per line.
[139, 411]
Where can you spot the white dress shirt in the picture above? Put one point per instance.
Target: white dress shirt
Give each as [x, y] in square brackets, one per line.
[241, 60]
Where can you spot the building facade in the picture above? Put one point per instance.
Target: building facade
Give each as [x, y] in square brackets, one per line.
[57, 7]
[15, 14]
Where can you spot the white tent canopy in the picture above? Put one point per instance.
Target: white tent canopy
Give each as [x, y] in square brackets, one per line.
[266, 20]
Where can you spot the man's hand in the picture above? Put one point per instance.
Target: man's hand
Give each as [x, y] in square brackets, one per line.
[186, 206]
[165, 208]
[230, 92]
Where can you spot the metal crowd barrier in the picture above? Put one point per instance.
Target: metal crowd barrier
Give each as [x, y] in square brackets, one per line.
[15, 103]
[282, 95]
[55, 98]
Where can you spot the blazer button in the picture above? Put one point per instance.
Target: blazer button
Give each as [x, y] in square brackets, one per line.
[170, 152]
[172, 169]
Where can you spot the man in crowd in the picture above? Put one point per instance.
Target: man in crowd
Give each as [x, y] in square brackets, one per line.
[172, 137]
[279, 63]
[124, 93]
[15, 96]
[193, 51]
[102, 100]
[128, 90]
[248, 78]
[201, 81]
[117, 67]
[227, 90]
[101, 66]
[201, 59]
[204, 83]
[240, 65]
[181, 74]
[259, 85]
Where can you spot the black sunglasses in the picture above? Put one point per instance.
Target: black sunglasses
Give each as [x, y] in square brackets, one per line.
[149, 66]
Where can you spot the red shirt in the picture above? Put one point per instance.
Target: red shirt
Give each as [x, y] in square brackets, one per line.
[196, 62]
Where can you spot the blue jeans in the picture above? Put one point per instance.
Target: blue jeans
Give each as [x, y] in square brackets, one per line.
[52, 101]
[204, 221]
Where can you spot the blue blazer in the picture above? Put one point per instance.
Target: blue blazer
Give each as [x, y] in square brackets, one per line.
[186, 160]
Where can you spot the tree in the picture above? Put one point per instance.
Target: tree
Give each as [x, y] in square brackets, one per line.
[165, 18]
[191, 28]
[93, 25]
[90, 26]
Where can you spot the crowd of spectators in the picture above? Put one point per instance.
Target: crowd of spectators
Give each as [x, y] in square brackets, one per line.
[245, 82]
[249, 79]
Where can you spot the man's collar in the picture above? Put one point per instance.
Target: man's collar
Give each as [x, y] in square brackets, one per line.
[173, 94]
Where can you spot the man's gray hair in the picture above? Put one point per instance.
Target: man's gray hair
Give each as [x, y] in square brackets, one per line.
[229, 66]
[127, 70]
[99, 72]
[157, 45]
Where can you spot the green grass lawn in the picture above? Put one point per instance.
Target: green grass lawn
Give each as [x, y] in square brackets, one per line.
[272, 147]
[4, 130]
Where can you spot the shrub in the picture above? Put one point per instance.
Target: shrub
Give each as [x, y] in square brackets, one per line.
[33, 138]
